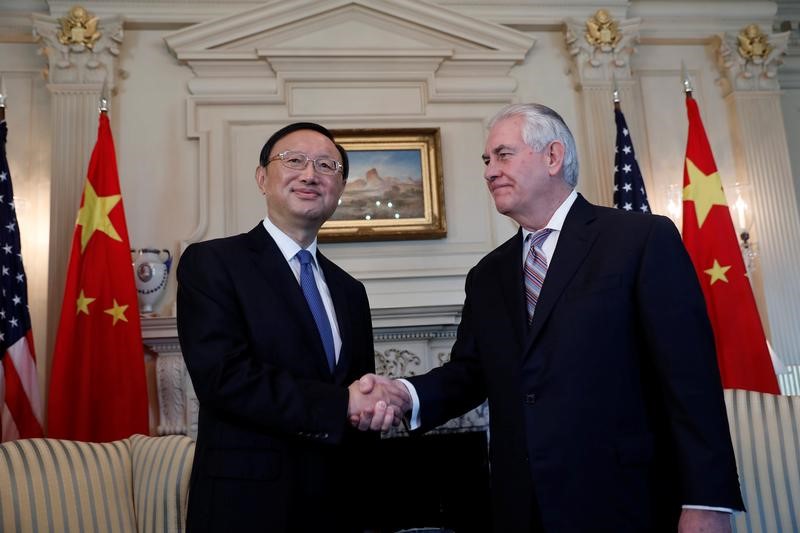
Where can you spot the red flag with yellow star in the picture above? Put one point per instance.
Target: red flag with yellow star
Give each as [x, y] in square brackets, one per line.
[711, 240]
[97, 389]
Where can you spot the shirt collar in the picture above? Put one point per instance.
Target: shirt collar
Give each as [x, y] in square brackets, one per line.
[286, 244]
[556, 221]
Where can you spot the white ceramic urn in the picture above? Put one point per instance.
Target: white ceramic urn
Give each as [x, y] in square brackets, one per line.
[151, 270]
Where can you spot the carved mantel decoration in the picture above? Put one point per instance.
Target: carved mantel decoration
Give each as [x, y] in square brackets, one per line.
[76, 48]
[750, 59]
[400, 350]
[602, 46]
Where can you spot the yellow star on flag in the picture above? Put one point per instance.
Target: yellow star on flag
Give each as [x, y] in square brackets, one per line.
[83, 303]
[118, 312]
[705, 190]
[93, 216]
[717, 272]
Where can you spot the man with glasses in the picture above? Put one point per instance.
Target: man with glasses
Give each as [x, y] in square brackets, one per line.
[274, 336]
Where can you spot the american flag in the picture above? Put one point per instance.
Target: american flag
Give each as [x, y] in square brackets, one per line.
[629, 193]
[19, 384]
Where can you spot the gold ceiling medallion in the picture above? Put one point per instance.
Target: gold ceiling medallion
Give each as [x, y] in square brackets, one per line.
[602, 31]
[79, 27]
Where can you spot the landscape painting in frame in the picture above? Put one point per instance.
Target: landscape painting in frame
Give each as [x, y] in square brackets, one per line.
[394, 189]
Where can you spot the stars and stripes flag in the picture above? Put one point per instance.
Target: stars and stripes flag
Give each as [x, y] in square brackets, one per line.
[629, 193]
[19, 384]
[709, 237]
[98, 390]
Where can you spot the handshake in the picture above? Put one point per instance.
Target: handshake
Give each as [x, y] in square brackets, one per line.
[377, 403]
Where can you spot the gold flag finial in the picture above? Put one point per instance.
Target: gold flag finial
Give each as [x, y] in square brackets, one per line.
[687, 84]
[2, 99]
[2, 92]
[104, 97]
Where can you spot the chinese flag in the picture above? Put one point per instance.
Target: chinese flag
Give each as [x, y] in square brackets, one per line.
[97, 389]
[711, 240]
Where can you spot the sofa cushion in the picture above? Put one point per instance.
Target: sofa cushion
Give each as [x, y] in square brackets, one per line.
[61, 485]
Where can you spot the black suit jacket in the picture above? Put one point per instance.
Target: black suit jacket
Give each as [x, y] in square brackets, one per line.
[607, 413]
[274, 449]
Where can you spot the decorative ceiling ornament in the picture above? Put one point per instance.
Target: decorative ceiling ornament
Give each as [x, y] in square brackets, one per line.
[602, 31]
[754, 44]
[750, 60]
[79, 28]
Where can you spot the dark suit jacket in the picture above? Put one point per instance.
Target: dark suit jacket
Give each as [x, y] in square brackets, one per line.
[274, 449]
[608, 411]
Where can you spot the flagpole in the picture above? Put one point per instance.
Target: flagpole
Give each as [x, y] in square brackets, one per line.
[687, 83]
[2, 99]
[615, 92]
[103, 107]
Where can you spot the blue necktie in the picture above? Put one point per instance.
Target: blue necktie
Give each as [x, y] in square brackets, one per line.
[309, 286]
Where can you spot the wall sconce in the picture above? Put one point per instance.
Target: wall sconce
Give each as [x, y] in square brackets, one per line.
[742, 216]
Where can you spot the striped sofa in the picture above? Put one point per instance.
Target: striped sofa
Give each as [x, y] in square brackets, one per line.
[139, 484]
[765, 430]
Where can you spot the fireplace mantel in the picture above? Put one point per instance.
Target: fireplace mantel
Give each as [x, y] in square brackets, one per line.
[408, 341]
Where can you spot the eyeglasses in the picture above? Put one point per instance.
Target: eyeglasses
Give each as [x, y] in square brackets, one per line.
[299, 160]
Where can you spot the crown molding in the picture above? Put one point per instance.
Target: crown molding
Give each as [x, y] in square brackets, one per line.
[662, 20]
[676, 21]
[16, 27]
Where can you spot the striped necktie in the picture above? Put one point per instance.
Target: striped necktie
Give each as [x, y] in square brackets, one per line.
[309, 286]
[535, 270]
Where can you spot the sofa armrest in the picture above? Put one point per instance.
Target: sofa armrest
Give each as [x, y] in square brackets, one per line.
[161, 470]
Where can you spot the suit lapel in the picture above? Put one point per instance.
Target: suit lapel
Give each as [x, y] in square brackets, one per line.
[278, 274]
[576, 239]
[341, 307]
[513, 289]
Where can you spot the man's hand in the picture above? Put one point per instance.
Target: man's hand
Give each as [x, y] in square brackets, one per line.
[377, 403]
[703, 521]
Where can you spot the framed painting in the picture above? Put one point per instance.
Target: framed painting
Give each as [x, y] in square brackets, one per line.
[394, 190]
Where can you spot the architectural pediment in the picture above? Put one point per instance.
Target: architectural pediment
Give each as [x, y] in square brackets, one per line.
[355, 39]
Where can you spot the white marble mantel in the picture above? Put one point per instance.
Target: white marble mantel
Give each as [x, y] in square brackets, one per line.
[408, 341]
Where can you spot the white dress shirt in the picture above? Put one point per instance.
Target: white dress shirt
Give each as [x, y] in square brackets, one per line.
[289, 249]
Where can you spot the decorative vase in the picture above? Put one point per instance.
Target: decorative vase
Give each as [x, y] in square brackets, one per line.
[151, 270]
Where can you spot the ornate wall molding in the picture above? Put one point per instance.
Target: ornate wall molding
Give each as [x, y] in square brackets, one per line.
[82, 49]
[672, 20]
[601, 46]
[749, 59]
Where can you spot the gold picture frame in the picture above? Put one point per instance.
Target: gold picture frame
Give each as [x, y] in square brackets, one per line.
[394, 190]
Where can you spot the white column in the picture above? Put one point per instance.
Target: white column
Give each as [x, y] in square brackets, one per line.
[78, 65]
[762, 161]
[601, 48]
